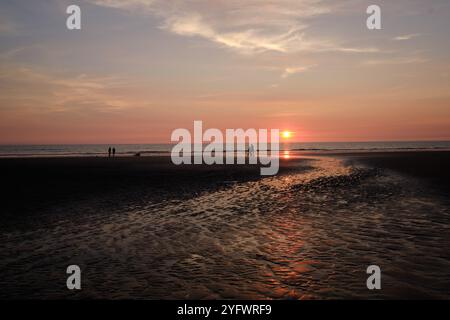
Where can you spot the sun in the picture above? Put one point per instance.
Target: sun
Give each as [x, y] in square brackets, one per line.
[286, 134]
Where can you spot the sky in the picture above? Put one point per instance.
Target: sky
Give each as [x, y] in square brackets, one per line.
[138, 69]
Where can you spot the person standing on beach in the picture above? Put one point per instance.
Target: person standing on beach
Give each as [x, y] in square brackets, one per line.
[251, 150]
[114, 152]
[109, 152]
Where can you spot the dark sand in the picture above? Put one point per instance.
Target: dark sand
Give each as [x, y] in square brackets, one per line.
[431, 166]
[143, 228]
[32, 185]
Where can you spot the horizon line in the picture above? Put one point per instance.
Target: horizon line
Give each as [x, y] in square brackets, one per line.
[174, 143]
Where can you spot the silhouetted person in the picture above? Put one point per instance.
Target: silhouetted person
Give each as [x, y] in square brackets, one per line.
[251, 150]
[109, 152]
[114, 152]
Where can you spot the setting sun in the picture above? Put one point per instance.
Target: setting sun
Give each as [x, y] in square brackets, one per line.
[286, 134]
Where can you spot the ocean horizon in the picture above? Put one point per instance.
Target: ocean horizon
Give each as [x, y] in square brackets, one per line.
[157, 149]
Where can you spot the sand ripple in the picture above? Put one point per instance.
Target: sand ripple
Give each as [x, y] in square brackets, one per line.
[302, 235]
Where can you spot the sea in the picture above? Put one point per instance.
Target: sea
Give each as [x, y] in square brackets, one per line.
[70, 150]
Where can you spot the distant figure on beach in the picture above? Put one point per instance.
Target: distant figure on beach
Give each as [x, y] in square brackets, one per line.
[251, 150]
[114, 152]
[109, 152]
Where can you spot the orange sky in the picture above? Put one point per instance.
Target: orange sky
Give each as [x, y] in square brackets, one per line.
[139, 69]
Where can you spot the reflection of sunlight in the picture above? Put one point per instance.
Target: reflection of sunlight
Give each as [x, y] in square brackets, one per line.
[286, 155]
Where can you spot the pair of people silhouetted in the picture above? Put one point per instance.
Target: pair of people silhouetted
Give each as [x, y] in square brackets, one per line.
[111, 150]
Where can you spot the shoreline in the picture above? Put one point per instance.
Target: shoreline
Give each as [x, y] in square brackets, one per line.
[168, 153]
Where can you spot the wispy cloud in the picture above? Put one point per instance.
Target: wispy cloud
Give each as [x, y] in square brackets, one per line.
[393, 61]
[358, 50]
[53, 92]
[11, 53]
[246, 41]
[253, 26]
[294, 70]
[133, 4]
[407, 37]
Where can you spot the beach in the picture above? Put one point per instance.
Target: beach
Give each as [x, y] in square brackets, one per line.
[48, 182]
[143, 228]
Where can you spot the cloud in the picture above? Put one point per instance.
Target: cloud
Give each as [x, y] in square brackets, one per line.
[402, 60]
[294, 70]
[251, 26]
[11, 53]
[125, 4]
[32, 88]
[358, 50]
[407, 37]
[246, 41]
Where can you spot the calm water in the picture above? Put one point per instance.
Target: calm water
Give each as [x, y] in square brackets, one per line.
[158, 149]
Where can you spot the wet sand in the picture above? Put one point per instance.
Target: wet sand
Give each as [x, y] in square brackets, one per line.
[142, 228]
[431, 166]
[33, 186]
